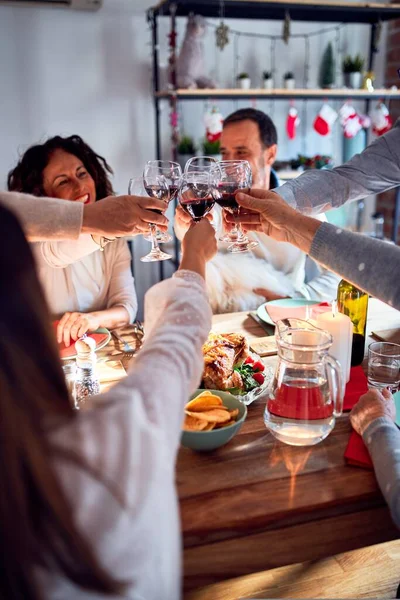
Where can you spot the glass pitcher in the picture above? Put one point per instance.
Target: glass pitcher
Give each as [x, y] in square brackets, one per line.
[306, 393]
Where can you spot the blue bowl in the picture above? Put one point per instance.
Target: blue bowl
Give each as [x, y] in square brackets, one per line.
[204, 441]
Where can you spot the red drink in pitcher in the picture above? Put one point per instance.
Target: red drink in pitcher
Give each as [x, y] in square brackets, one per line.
[306, 394]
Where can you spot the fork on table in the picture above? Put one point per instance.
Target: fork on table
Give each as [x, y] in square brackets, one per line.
[125, 347]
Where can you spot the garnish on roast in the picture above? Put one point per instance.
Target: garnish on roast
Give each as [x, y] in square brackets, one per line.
[229, 365]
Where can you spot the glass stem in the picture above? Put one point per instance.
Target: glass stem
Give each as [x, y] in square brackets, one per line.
[154, 243]
[238, 229]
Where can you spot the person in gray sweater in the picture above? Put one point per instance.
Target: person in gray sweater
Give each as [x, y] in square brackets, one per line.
[371, 265]
[375, 170]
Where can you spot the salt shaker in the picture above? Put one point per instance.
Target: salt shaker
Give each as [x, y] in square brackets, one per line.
[86, 381]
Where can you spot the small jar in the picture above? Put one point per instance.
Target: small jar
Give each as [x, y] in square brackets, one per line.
[86, 381]
[69, 370]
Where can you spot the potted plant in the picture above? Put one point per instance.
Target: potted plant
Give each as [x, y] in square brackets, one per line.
[185, 150]
[212, 149]
[289, 81]
[243, 81]
[352, 71]
[327, 68]
[268, 82]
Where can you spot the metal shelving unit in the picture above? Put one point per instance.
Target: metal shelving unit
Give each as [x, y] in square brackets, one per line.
[278, 94]
[372, 14]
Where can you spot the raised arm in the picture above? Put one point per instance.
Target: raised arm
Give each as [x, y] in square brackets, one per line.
[375, 170]
[46, 219]
[368, 263]
[177, 321]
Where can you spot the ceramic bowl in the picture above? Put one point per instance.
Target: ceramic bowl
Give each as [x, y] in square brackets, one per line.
[204, 441]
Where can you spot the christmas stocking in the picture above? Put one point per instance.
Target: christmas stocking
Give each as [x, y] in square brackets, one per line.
[350, 120]
[325, 119]
[292, 122]
[381, 120]
[213, 122]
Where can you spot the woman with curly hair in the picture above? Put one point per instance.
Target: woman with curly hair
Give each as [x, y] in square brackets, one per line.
[88, 283]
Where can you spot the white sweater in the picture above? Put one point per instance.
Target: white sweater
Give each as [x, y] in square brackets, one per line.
[276, 266]
[125, 500]
[77, 276]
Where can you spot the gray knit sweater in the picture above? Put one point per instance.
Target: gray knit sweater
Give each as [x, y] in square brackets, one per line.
[370, 264]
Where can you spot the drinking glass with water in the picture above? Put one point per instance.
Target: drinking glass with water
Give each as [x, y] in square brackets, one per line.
[384, 365]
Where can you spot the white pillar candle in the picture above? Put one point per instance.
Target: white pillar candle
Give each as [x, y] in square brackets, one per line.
[341, 329]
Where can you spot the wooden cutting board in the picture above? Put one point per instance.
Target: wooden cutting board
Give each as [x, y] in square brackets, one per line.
[264, 346]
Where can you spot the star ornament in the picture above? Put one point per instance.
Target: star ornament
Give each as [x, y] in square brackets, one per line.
[222, 37]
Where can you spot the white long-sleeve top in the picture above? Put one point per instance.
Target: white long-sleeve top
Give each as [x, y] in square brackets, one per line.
[276, 266]
[77, 276]
[123, 496]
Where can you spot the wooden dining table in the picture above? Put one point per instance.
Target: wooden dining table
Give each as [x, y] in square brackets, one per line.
[257, 503]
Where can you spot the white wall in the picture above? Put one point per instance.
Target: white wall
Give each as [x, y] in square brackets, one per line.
[65, 71]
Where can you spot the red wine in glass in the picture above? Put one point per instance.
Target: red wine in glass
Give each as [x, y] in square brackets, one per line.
[198, 209]
[173, 191]
[225, 197]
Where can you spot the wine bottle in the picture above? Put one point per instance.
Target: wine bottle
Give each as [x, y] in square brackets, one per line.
[354, 303]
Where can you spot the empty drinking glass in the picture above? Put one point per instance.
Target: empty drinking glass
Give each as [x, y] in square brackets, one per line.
[205, 163]
[384, 365]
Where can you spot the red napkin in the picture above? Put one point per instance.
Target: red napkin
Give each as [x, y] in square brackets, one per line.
[356, 452]
[70, 352]
[356, 387]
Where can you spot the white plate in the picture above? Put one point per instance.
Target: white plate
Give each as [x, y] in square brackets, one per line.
[284, 303]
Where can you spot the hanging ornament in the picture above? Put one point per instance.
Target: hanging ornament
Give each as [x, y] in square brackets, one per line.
[292, 122]
[213, 123]
[222, 35]
[325, 119]
[286, 28]
[350, 120]
[381, 120]
[172, 39]
[222, 31]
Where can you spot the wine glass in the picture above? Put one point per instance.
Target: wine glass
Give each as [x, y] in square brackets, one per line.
[231, 176]
[204, 163]
[173, 174]
[196, 194]
[155, 188]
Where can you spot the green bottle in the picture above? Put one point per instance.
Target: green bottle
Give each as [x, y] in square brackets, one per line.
[354, 303]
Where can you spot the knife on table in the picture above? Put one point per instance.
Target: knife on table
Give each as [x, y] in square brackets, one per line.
[269, 329]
